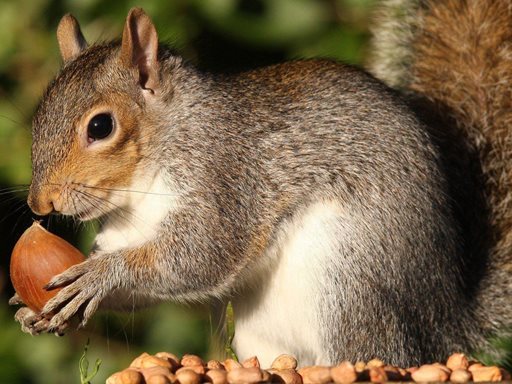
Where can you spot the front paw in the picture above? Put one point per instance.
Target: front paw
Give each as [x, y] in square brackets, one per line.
[35, 324]
[85, 285]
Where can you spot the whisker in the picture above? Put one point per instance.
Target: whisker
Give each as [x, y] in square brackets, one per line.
[118, 211]
[23, 211]
[20, 205]
[8, 199]
[21, 111]
[78, 223]
[73, 202]
[90, 199]
[13, 190]
[128, 190]
[10, 119]
[19, 208]
[142, 192]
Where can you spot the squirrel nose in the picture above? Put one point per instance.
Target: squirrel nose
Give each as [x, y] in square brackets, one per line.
[40, 203]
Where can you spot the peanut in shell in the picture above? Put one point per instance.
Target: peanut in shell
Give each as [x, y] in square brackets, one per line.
[344, 373]
[284, 362]
[245, 375]
[460, 375]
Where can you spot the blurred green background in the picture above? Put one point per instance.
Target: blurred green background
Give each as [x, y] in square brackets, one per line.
[216, 35]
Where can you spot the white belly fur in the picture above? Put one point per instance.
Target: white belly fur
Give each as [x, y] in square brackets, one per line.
[278, 315]
[143, 211]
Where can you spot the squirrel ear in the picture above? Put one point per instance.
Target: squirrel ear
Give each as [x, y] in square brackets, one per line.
[139, 47]
[70, 38]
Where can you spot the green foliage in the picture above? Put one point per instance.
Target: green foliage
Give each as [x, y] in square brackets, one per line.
[83, 365]
[501, 354]
[230, 330]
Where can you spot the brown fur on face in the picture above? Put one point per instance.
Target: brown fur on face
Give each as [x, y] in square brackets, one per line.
[90, 171]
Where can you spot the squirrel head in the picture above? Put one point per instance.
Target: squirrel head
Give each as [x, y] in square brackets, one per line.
[87, 131]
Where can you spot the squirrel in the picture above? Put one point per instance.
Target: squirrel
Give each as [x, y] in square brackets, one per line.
[340, 219]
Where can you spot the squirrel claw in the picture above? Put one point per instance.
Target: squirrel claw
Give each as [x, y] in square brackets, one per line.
[67, 277]
[29, 320]
[35, 324]
[15, 300]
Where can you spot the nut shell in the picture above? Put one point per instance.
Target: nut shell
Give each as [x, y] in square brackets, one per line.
[37, 257]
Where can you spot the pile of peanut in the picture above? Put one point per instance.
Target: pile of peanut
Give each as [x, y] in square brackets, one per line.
[165, 368]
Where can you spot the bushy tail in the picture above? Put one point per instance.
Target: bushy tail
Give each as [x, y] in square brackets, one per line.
[458, 54]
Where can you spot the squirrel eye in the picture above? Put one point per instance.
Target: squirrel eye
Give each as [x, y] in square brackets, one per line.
[99, 127]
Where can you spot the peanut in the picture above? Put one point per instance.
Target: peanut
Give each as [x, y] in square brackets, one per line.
[344, 373]
[126, 376]
[158, 379]
[188, 376]
[360, 366]
[316, 374]
[217, 376]
[245, 375]
[486, 374]
[157, 371]
[460, 375]
[285, 376]
[251, 362]
[378, 375]
[457, 361]
[214, 364]
[167, 355]
[443, 367]
[137, 361]
[429, 372]
[231, 364]
[474, 365]
[284, 362]
[147, 361]
[199, 369]
[171, 358]
[188, 360]
[375, 363]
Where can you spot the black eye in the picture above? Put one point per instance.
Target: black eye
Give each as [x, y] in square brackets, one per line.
[99, 127]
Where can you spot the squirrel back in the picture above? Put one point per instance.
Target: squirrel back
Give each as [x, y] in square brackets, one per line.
[457, 54]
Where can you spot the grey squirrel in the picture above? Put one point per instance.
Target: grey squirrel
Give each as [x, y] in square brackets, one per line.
[325, 205]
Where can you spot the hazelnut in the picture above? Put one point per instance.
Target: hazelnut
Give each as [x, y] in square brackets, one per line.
[37, 257]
